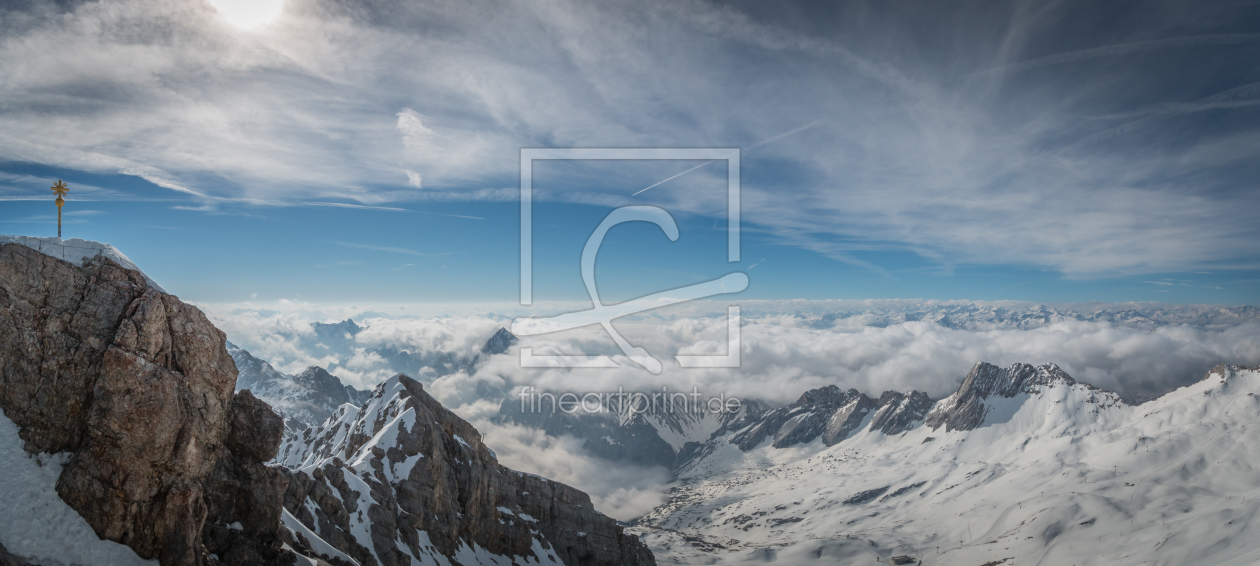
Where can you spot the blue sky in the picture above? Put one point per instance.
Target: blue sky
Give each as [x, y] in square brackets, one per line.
[369, 152]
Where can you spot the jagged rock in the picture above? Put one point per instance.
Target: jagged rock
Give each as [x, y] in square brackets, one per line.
[899, 412]
[404, 478]
[244, 496]
[847, 419]
[250, 370]
[965, 409]
[307, 398]
[131, 380]
[811, 416]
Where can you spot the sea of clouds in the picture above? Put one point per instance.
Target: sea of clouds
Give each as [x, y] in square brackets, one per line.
[787, 348]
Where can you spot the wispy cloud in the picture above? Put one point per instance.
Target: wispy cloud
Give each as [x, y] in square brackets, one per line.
[1083, 165]
[355, 206]
[387, 249]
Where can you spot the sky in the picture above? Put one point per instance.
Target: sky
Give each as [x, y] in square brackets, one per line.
[370, 151]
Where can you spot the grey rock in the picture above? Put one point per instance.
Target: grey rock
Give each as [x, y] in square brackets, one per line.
[847, 419]
[807, 419]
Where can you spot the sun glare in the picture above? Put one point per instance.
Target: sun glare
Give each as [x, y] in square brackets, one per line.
[248, 13]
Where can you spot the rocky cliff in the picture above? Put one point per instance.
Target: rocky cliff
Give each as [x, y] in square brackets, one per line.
[402, 478]
[137, 386]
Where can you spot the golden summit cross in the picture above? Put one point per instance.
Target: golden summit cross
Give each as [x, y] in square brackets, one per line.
[61, 189]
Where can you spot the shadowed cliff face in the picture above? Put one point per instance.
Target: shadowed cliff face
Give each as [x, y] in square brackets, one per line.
[138, 386]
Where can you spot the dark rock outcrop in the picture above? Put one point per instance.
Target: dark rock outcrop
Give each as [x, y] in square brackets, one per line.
[244, 496]
[847, 419]
[800, 422]
[499, 343]
[133, 382]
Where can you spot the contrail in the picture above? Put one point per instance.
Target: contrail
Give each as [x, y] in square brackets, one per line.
[758, 144]
[679, 175]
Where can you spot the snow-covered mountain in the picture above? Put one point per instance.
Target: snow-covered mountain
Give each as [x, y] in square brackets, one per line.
[402, 480]
[339, 340]
[658, 432]
[311, 396]
[1021, 465]
[307, 398]
[966, 315]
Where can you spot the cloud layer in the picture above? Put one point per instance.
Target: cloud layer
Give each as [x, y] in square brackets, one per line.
[788, 347]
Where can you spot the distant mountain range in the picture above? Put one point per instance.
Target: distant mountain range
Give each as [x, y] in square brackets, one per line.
[310, 397]
[1020, 464]
[988, 316]
[338, 339]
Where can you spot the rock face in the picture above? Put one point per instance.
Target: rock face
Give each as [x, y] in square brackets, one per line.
[133, 382]
[403, 479]
[832, 414]
[499, 343]
[244, 496]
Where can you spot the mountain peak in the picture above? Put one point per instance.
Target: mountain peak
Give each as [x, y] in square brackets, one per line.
[307, 398]
[77, 251]
[499, 343]
[966, 408]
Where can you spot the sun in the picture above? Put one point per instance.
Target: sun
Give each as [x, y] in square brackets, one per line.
[248, 13]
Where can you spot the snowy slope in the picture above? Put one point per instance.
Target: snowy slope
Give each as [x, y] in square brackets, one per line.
[75, 251]
[47, 531]
[1061, 473]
